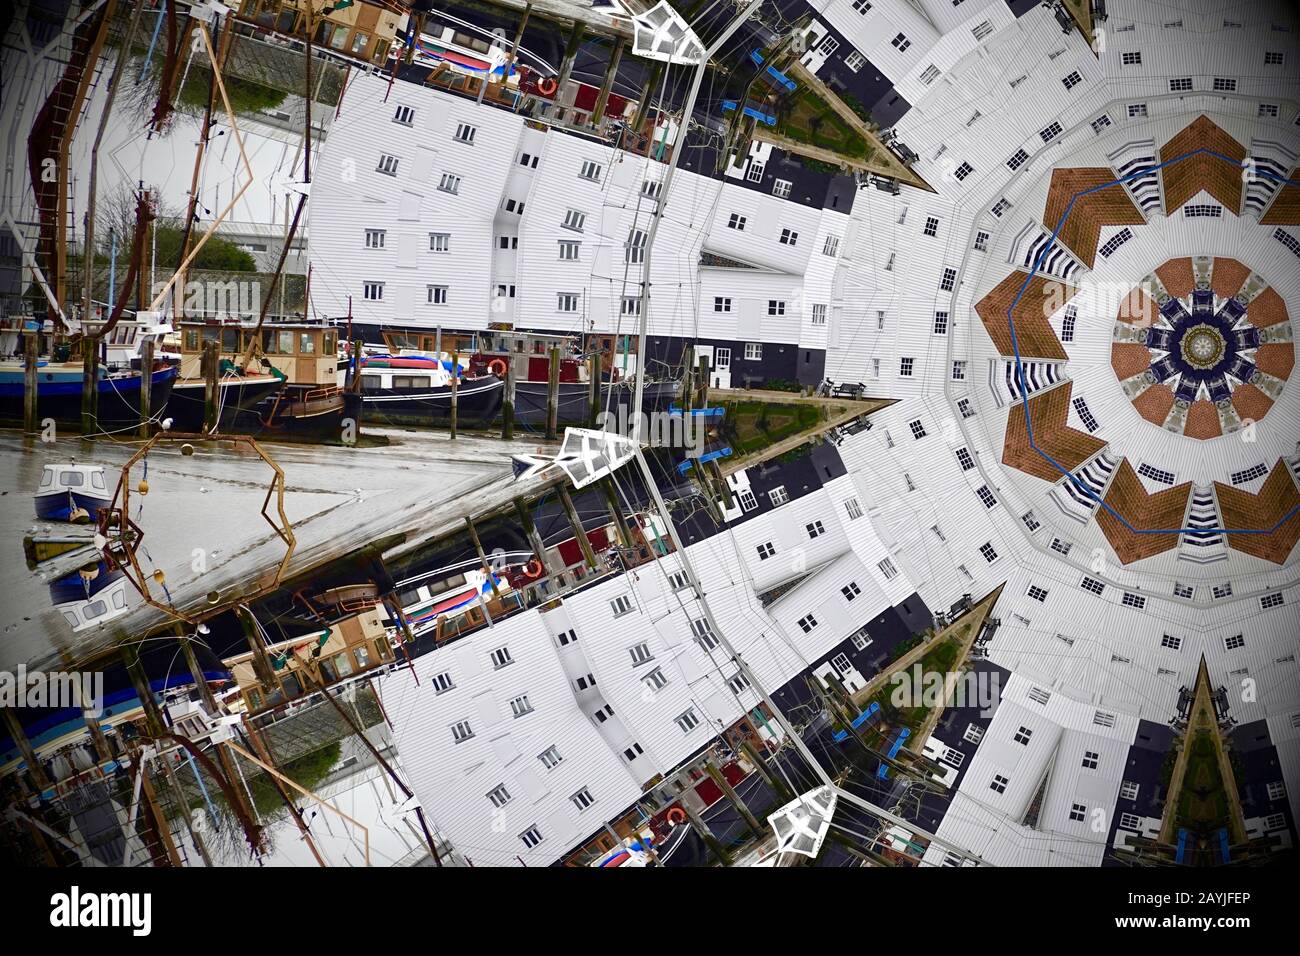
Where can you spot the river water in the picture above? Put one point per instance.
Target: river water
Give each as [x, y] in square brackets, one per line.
[202, 524]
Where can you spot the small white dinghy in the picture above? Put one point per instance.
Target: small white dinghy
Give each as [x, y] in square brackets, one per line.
[72, 493]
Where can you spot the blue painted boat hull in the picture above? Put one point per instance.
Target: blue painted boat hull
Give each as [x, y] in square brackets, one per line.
[59, 505]
[58, 397]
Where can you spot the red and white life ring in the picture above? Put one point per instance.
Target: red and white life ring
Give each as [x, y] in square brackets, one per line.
[676, 815]
[533, 569]
[497, 367]
[547, 85]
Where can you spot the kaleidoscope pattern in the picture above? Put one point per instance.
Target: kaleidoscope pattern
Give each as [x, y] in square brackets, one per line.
[1208, 366]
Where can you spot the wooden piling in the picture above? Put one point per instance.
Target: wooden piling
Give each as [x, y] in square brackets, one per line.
[730, 793]
[89, 385]
[702, 828]
[211, 365]
[146, 387]
[593, 392]
[100, 742]
[196, 671]
[553, 395]
[508, 402]
[616, 512]
[140, 681]
[782, 791]
[530, 530]
[702, 383]
[261, 659]
[30, 388]
[455, 386]
[19, 737]
[607, 84]
[687, 401]
[354, 365]
[482, 557]
[587, 553]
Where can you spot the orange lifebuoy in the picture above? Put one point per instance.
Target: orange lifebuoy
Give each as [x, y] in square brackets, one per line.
[533, 570]
[547, 85]
[497, 367]
[676, 815]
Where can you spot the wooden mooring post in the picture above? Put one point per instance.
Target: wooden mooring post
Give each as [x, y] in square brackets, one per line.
[553, 395]
[508, 403]
[31, 355]
[89, 385]
[146, 387]
[211, 365]
[593, 396]
[455, 386]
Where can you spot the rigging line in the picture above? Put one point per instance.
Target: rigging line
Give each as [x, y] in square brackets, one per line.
[678, 148]
[780, 717]
[676, 593]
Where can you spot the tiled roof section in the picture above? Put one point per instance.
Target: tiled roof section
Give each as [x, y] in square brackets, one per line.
[1285, 209]
[1217, 176]
[1228, 278]
[1176, 274]
[1164, 509]
[1241, 509]
[1129, 359]
[1203, 420]
[1154, 404]
[1266, 309]
[1034, 334]
[1137, 307]
[1048, 411]
[1250, 402]
[1105, 206]
[1276, 358]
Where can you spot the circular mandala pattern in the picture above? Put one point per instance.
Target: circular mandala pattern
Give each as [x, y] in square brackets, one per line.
[1203, 353]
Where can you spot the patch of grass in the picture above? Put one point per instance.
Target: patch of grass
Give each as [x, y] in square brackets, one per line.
[752, 426]
[807, 118]
[245, 95]
[1203, 800]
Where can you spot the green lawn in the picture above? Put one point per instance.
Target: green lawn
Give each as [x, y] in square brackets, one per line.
[752, 426]
[1203, 802]
[809, 119]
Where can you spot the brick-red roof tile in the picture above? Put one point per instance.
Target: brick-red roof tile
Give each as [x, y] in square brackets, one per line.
[1221, 178]
[1048, 411]
[1241, 509]
[1034, 333]
[1144, 512]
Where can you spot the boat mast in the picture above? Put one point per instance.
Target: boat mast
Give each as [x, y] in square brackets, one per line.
[223, 47]
[88, 257]
[254, 340]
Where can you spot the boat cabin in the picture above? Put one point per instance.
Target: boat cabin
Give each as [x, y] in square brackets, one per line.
[127, 338]
[349, 647]
[71, 492]
[306, 353]
[429, 343]
[90, 597]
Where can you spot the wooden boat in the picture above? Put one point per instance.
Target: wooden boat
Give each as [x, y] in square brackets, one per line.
[59, 390]
[290, 386]
[416, 389]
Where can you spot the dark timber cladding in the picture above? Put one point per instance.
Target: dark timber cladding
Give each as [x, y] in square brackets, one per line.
[777, 361]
